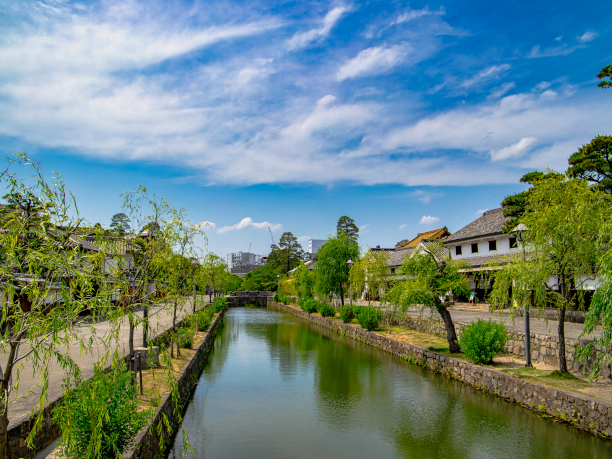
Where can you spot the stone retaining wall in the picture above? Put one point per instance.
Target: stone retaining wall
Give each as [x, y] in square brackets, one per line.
[147, 441]
[544, 348]
[582, 411]
[50, 430]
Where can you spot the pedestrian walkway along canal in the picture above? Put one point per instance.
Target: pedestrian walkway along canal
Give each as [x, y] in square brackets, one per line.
[276, 386]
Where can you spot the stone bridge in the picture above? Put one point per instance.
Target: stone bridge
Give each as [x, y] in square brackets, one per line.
[237, 299]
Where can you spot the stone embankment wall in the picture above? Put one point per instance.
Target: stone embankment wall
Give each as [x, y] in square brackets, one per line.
[147, 441]
[584, 412]
[544, 348]
[50, 430]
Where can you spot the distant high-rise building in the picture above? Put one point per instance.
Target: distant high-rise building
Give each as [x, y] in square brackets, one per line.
[314, 245]
[244, 262]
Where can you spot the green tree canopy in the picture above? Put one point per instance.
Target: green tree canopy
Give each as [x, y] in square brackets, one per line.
[606, 72]
[402, 242]
[593, 162]
[261, 279]
[287, 255]
[563, 219]
[347, 225]
[430, 276]
[332, 271]
[515, 204]
[120, 223]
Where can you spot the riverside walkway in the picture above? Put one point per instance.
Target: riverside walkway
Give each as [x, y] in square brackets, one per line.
[160, 319]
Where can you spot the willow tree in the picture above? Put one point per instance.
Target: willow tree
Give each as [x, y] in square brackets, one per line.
[214, 270]
[429, 276]
[561, 224]
[371, 272]
[47, 281]
[332, 273]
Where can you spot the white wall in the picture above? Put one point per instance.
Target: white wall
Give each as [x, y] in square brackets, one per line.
[503, 247]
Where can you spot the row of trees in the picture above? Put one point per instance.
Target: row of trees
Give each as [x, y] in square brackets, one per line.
[56, 269]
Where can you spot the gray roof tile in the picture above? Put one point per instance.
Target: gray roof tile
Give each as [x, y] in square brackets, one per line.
[491, 223]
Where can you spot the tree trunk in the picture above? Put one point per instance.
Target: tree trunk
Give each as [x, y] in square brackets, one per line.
[4, 452]
[562, 359]
[451, 336]
[342, 296]
[131, 336]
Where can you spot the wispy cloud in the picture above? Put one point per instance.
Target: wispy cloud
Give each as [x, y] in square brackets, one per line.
[403, 226]
[587, 37]
[303, 39]
[480, 212]
[424, 196]
[485, 75]
[373, 61]
[362, 229]
[502, 90]
[249, 223]
[562, 50]
[429, 220]
[414, 14]
[206, 224]
[514, 151]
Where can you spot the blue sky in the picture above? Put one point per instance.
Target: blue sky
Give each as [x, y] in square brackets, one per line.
[405, 116]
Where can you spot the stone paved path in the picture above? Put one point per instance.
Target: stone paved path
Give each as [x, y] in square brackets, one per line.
[160, 319]
[537, 325]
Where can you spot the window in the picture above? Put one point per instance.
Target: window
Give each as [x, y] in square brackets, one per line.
[392, 270]
[474, 248]
[492, 246]
[458, 250]
[513, 243]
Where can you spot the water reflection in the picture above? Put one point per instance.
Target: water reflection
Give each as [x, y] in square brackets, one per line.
[276, 386]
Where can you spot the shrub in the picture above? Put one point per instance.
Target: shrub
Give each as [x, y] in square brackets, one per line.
[204, 316]
[482, 340]
[326, 310]
[347, 314]
[99, 417]
[286, 299]
[186, 337]
[369, 317]
[276, 298]
[218, 303]
[310, 305]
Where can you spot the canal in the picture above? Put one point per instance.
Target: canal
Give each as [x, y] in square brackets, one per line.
[276, 386]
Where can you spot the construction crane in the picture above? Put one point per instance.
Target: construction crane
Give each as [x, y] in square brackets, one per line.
[272, 237]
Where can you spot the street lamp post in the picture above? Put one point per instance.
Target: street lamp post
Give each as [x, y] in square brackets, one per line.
[520, 238]
[350, 264]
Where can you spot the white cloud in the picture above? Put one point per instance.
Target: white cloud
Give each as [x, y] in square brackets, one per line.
[403, 226]
[414, 14]
[302, 39]
[559, 38]
[249, 223]
[587, 36]
[514, 151]
[479, 212]
[502, 90]
[429, 220]
[483, 76]
[542, 86]
[424, 196]
[373, 61]
[206, 224]
[362, 229]
[562, 50]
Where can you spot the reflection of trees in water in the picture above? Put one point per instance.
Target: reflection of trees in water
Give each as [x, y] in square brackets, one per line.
[357, 387]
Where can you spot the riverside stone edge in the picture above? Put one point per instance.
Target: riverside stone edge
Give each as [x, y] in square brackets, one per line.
[146, 443]
[581, 411]
[21, 428]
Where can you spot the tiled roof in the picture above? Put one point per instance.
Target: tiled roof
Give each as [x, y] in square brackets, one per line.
[397, 256]
[490, 223]
[433, 234]
[477, 262]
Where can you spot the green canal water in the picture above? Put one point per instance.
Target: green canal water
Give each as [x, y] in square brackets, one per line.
[276, 386]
